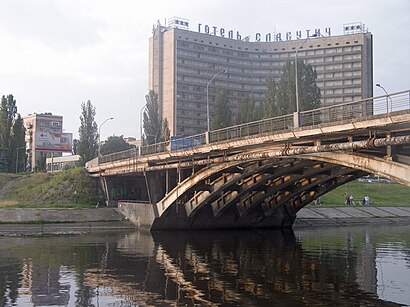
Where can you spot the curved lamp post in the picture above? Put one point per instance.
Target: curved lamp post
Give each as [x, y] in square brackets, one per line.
[296, 115]
[387, 98]
[99, 137]
[207, 97]
[141, 123]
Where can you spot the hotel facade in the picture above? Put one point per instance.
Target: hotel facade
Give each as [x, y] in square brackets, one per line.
[182, 64]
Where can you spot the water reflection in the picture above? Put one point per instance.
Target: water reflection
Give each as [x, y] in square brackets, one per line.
[359, 266]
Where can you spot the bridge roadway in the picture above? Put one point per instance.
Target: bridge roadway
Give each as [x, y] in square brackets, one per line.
[259, 174]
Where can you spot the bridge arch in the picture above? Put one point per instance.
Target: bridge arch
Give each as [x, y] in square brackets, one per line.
[268, 184]
[398, 172]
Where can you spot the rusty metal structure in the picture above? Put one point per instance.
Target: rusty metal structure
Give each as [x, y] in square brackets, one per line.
[259, 174]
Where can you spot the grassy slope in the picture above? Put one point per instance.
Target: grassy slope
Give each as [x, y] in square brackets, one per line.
[381, 194]
[71, 188]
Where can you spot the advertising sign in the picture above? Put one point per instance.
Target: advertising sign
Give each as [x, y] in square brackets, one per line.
[48, 140]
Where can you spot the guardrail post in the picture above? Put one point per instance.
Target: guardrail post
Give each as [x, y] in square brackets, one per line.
[296, 119]
[207, 137]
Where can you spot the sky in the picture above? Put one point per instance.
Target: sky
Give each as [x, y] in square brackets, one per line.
[56, 54]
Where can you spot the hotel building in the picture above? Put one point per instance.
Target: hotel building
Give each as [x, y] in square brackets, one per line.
[183, 62]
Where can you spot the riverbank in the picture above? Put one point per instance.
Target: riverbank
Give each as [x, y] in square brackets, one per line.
[348, 216]
[22, 221]
[31, 221]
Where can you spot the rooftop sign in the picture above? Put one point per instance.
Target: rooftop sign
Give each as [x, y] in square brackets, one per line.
[182, 23]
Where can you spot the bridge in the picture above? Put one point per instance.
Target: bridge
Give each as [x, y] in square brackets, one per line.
[258, 174]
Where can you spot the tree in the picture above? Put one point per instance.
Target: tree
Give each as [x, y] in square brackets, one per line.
[114, 144]
[155, 129]
[166, 134]
[309, 92]
[247, 111]
[8, 111]
[87, 145]
[18, 145]
[75, 144]
[269, 107]
[222, 116]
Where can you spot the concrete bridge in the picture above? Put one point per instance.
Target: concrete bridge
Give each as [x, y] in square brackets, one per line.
[258, 174]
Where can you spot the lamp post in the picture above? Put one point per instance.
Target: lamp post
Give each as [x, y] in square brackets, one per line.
[207, 97]
[387, 98]
[142, 109]
[296, 115]
[17, 157]
[99, 137]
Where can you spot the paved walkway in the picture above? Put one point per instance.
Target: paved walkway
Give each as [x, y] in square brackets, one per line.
[351, 215]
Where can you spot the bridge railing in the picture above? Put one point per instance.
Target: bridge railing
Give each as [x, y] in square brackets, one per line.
[268, 125]
[356, 109]
[331, 114]
[126, 154]
[154, 148]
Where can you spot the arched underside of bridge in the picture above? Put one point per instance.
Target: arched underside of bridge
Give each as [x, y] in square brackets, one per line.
[265, 192]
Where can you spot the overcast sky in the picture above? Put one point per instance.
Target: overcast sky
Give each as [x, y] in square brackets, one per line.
[55, 54]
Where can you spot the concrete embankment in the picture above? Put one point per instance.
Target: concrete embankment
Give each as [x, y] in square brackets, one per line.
[347, 216]
[60, 221]
[68, 221]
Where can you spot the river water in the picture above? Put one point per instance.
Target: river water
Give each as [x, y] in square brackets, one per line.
[348, 266]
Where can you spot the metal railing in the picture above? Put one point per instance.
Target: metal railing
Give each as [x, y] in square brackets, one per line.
[325, 115]
[268, 125]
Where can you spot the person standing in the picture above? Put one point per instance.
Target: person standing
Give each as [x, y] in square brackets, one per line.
[346, 198]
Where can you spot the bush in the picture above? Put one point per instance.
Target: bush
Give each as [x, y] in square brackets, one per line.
[72, 186]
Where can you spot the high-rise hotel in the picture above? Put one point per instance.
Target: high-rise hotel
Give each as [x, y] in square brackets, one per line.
[182, 64]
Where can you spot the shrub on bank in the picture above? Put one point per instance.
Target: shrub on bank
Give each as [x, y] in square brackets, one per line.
[69, 188]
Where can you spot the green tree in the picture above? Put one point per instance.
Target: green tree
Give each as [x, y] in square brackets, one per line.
[18, 146]
[269, 107]
[8, 111]
[166, 134]
[309, 92]
[247, 111]
[155, 129]
[222, 116]
[75, 144]
[114, 144]
[87, 145]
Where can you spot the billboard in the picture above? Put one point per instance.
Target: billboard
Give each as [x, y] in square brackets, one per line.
[47, 140]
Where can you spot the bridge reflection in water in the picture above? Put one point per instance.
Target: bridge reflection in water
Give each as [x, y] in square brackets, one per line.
[339, 267]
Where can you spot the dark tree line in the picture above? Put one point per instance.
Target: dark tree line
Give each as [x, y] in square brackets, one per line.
[12, 137]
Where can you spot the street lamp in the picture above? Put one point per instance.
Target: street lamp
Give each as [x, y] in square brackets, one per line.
[296, 115]
[142, 109]
[207, 97]
[99, 137]
[387, 98]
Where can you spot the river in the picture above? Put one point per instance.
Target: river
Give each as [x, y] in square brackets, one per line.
[346, 266]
